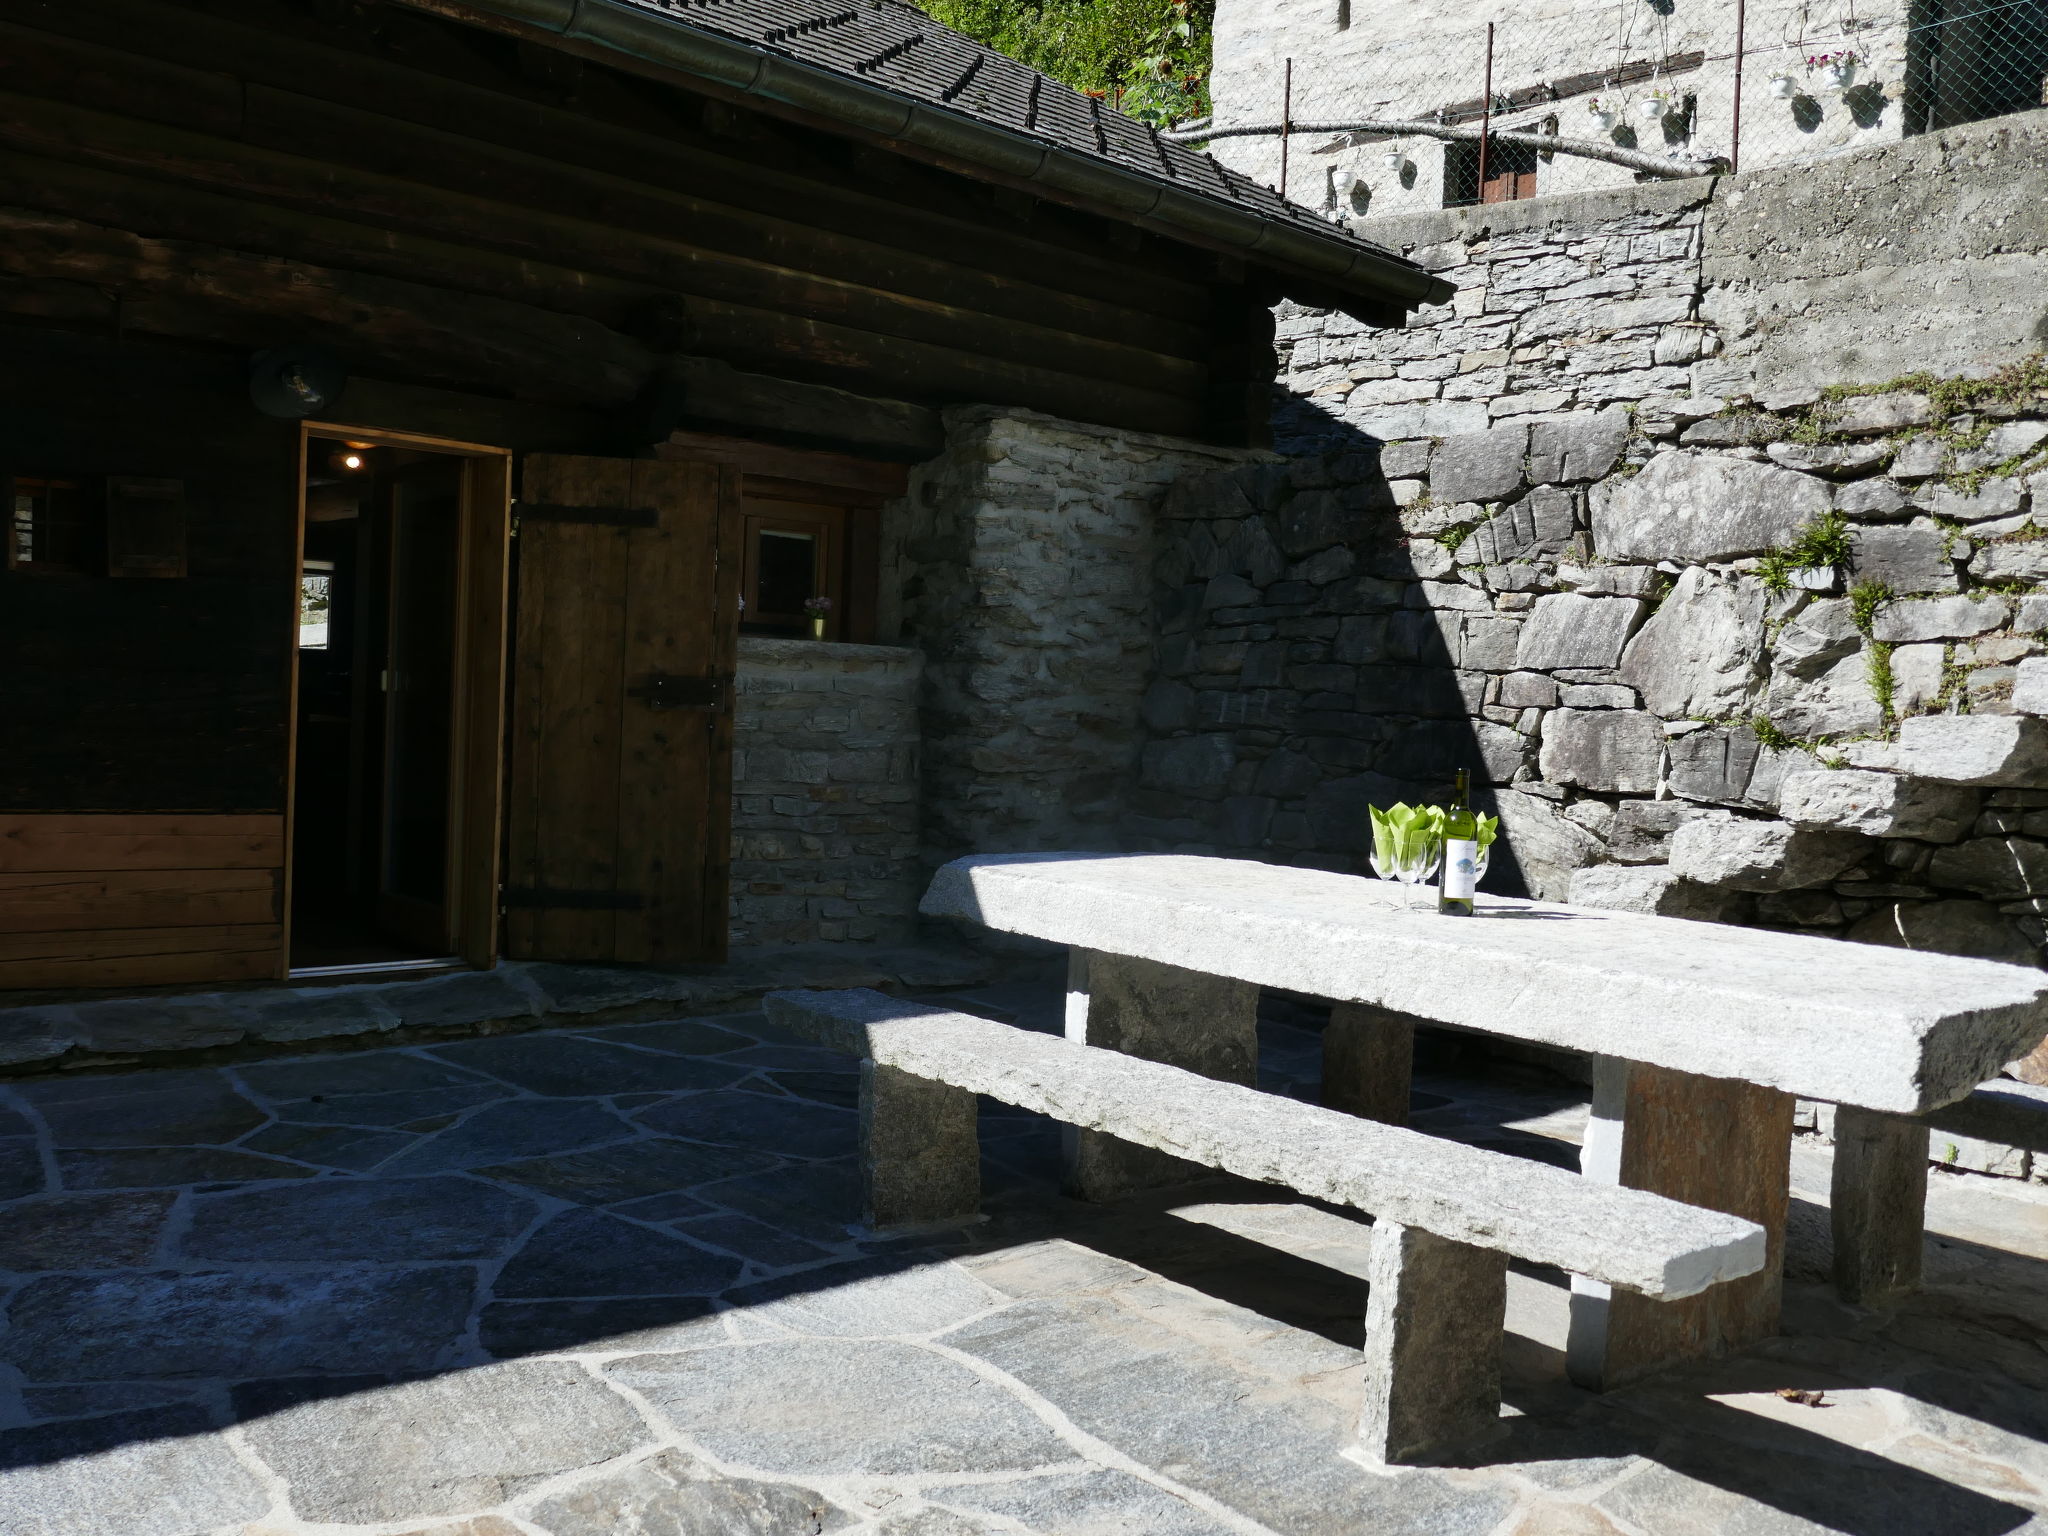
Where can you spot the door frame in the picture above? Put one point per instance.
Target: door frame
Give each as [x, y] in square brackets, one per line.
[482, 625]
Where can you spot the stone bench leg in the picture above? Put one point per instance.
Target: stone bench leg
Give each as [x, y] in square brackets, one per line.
[920, 1159]
[1433, 1322]
[1369, 1062]
[1207, 1024]
[1878, 1204]
[1708, 1141]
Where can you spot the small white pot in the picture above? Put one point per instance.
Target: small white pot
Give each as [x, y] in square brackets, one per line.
[1653, 109]
[1395, 160]
[1603, 120]
[1784, 87]
[1838, 77]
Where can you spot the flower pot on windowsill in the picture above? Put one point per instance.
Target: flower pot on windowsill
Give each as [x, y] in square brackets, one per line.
[817, 628]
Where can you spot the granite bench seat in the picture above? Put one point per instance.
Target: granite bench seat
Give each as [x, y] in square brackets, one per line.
[1447, 1217]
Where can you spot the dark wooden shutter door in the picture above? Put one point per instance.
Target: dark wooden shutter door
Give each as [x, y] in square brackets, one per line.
[620, 820]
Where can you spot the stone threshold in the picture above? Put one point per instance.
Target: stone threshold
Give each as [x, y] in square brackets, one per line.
[202, 1028]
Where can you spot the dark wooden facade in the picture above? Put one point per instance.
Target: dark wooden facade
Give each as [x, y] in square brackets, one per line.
[507, 246]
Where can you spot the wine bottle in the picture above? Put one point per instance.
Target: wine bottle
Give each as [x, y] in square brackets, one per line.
[1461, 852]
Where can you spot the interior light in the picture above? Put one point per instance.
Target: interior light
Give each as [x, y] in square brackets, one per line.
[351, 461]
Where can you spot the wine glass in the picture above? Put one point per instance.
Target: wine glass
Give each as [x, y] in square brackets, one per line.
[1413, 860]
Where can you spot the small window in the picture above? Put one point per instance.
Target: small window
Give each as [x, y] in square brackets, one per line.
[46, 528]
[316, 594]
[793, 554]
[1510, 173]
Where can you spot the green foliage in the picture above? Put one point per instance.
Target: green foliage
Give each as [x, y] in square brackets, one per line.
[1768, 734]
[1883, 684]
[1821, 543]
[1149, 58]
[1865, 598]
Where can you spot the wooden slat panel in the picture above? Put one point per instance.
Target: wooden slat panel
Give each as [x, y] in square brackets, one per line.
[480, 736]
[31, 844]
[140, 956]
[169, 898]
[570, 694]
[674, 805]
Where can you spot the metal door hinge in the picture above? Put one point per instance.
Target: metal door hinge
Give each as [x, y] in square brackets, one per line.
[610, 517]
[665, 690]
[527, 896]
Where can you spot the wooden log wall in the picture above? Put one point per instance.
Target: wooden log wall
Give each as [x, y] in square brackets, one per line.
[450, 207]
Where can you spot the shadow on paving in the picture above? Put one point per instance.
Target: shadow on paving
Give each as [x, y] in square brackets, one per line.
[322, 1248]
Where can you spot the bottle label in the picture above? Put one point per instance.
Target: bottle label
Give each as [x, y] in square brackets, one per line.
[1461, 868]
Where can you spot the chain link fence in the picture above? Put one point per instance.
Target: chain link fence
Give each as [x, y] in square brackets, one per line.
[1401, 114]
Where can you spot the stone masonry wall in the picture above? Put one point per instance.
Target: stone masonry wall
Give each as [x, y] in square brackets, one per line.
[1018, 564]
[1721, 642]
[825, 793]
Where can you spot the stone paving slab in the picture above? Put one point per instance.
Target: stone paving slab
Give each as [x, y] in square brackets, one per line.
[679, 1333]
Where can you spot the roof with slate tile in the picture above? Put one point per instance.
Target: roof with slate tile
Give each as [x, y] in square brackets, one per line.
[903, 49]
[844, 60]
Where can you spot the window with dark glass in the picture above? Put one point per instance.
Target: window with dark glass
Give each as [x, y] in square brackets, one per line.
[46, 527]
[1510, 173]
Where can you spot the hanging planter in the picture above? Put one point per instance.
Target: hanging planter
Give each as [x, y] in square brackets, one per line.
[1654, 107]
[1837, 71]
[1395, 160]
[1783, 86]
[1603, 115]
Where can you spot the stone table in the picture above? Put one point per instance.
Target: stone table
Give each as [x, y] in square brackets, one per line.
[1701, 1037]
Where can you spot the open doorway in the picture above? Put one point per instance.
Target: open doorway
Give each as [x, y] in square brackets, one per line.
[396, 732]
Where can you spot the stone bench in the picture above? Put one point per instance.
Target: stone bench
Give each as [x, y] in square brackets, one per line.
[1700, 1035]
[1447, 1217]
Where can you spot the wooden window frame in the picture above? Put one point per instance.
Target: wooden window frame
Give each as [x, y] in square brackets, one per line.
[837, 490]
[483, 596]
[79, 486]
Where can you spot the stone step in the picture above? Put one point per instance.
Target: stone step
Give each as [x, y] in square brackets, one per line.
[1624, 1237]
[96, 1030]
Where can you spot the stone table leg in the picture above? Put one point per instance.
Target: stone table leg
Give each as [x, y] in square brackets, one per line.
[1369, 1061]
[920, 1160]
[1878, 1204]
[1207, 1024]
[1708, 1141]
[1433, 1321]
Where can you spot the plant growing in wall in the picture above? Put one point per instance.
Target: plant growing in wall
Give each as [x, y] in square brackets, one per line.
[1811, 560]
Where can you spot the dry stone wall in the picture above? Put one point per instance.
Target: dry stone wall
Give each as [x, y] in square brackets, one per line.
[825, 793]
[1018, 564]
[1720, 640]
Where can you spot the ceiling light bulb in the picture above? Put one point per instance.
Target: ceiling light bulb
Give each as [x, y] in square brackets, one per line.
[351, 461]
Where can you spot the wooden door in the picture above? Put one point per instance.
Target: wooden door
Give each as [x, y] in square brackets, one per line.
[619, 840]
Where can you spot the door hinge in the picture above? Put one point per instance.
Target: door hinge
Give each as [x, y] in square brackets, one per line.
[528, 896]
[665, 690]
[610, 517]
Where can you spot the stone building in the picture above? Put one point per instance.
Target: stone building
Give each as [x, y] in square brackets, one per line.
[1660, 77]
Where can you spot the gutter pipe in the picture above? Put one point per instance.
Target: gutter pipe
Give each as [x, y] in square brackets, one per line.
[672, 46]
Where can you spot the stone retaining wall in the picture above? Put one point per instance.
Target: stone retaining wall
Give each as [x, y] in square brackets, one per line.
[825, 793]
[1721, 640]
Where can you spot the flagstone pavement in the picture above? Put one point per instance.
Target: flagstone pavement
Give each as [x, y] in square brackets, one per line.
[603, 1283]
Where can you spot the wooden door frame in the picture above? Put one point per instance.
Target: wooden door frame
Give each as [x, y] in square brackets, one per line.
[483, 610]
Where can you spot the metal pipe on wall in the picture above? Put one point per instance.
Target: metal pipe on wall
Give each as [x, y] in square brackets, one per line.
[1485, 117]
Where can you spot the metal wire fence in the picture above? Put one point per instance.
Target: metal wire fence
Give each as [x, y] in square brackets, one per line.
[1402, 114]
